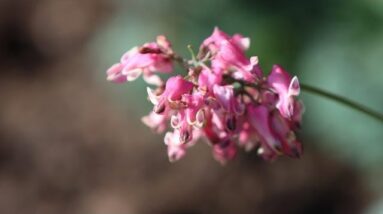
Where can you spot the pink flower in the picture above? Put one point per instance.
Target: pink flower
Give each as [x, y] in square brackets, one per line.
[207, 79]
[175, 87]
[191, 115]
[286, 88]
[224, 151]
[176, 149]
[179, 123]
[247, 138]
[274, 132]
[229, 54]
[226, 98]
[281, 128]
[147, 59]
[224, 147]
[213, 129]
[259, 118]
[194, 110]
[114, 73]
[157, 122]
[213, 42]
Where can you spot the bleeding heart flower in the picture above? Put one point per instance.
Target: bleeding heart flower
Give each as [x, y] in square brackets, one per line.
[207, 80]
[213, 42]
[114, 73]
[176, 149]
[226, 97]
[224, 151]
[157, 122]
[223, 97]
[228, 54]
[147, 60]
[274, 132]
[286, 88]
[175, 88]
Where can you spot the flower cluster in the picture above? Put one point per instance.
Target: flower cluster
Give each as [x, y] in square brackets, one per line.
[224, 97]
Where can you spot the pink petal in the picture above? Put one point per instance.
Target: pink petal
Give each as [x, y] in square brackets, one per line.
[294, 88]
[154, 99]
[242, 42]
[132, 75]
[155, 121]
[259, 118]
[176, 150]
[114, 73]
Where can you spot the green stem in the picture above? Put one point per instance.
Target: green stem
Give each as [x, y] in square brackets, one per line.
[343, 101]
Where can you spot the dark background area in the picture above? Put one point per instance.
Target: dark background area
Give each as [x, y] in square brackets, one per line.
[70, 142]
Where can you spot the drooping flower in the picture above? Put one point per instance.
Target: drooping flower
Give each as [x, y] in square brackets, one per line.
[286, 88]
[207, 80]
[247, 137]
[282, 130]
[259, 118]
[179, 122]
[114, 73]
[223, 97]
[171, 97]
[213, 42]
[190, 116]
[228, 54]
[157, 122]
[227, 99]
[274, 132]
[231, 57]
[194, 110]
[224, 151]
[147, 60]
[176, 149]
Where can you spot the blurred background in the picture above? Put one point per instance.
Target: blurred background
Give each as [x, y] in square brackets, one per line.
[70, 142]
